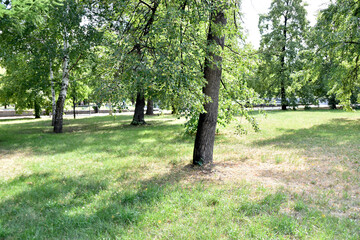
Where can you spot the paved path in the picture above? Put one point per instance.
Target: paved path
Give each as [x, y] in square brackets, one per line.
[71, 116]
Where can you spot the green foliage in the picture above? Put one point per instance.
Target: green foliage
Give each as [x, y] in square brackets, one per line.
[31, 42]
[283, 32]
[336, 44]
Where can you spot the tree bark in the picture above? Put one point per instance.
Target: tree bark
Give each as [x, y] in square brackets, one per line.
[74, 106]
[110, 108]
[332, 101]
[58, 125]
[52, 95]
[138, 118]
[150, 107]
[174, 110]
[205, 136]
[283, 90]
[283, 96]
[96, 109]
[37, 109]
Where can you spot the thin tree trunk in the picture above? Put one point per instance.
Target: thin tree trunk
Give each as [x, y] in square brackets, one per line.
[283, 96]
[283, 90]
[58, 125]
[74, 106]
[37, 108]
[52, 95]
[110, 107]
[150, 107]
[205, 136]
[138, 118]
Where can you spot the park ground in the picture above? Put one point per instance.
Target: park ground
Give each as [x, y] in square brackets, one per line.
[298, 178]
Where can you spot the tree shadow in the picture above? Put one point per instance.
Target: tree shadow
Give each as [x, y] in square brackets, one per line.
[18, 119]
[96, 136]
[46, 206]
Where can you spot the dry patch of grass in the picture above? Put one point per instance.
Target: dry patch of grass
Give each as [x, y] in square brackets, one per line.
[318, 160]
[12, 164]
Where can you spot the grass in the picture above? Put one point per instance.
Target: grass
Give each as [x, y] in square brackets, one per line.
[104, 179]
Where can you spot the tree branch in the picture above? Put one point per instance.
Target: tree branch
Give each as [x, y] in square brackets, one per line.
[146, 4]
[334, 43]
[77, 60]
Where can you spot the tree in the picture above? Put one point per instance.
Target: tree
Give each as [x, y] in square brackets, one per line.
[205, 136]
[78, 38]
[150, 107]
[283, 30]
[336, 51]
[26, 50]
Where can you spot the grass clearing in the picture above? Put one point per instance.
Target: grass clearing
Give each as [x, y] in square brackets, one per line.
[104, 179]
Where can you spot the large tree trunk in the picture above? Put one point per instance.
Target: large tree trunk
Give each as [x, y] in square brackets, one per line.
[332, 101]
[52, 95]
[174, 110]
[150, 107]
[138, 118]
[205, 136]
[58, 125]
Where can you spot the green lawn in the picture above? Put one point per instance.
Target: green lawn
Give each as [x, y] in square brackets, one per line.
[299, 178]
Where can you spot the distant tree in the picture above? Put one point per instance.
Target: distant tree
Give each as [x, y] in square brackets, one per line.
[78, 37]
[283, 31]
[336, 55]
[27, 51]
[150, 107]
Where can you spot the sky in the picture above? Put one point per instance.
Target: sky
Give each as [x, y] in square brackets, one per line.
[252, 8]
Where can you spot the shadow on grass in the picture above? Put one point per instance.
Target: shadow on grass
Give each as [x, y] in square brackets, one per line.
[18, 119]
[99, 206]
[97, 135]
[84, 207]
[45, 206]
[313, 110]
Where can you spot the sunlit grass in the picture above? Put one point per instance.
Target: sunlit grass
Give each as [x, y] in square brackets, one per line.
[104, 179]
